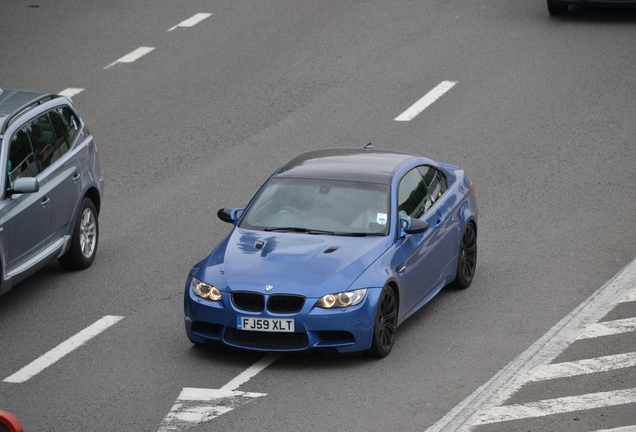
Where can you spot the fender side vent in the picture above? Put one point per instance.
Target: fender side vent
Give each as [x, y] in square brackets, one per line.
[331, 249]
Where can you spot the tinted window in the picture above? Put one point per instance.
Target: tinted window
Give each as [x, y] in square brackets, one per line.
[48, 143]
[434, 180]
[21, 157]
[413, 198]
[68, 123]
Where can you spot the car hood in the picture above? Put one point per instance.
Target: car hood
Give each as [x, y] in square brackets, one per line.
[304, 264]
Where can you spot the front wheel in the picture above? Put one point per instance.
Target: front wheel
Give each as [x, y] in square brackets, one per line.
[84, 241]
[385, 324]
[467, 258]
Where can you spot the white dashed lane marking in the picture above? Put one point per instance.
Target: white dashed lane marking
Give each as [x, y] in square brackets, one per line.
[135, 55]
[41, 363]
[196, 19]
[425, 101]
[70, 92]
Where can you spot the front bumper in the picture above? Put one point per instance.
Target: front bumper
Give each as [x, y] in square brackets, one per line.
[344, 330]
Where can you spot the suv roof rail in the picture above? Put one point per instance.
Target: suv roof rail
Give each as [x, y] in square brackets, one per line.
[27, 106]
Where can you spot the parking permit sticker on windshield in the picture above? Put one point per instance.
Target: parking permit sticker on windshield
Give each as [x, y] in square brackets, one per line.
[381, 218]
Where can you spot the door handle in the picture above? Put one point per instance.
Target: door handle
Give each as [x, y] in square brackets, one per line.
[76, 177]
[439, 222]
[45, 201]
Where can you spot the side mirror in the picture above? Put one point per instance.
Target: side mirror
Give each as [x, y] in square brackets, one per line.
[413, 226]
[230, 215]
[24, 185]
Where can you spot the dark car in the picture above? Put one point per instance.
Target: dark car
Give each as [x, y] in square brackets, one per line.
[560, 7]
[50, 186]
[334, 252]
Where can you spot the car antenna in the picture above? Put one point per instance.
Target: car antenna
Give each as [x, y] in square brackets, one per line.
[368, 146]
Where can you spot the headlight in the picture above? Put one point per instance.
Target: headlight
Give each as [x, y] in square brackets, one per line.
[343, 299]
[204, 290]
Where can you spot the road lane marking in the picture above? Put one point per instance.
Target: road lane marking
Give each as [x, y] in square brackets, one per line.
[194, 406]
[586, 366]
[197, 405]
[630, 297]
[426, 100]
[519, 371]
[251, 372]
[558, 406]
[620, 429]
[196, 19]
[41, 363]
[70, 92]
[135, 55]
[609, 328]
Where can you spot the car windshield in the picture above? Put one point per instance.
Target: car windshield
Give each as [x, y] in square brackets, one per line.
[313, 206]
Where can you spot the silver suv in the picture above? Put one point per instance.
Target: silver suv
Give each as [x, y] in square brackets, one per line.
[50, 186]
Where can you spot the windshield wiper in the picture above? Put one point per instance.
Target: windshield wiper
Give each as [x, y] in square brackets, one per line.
[322, 232]
[286, 229]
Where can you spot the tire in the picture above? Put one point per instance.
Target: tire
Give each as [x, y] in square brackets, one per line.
[385, 324]
[85, 238]
[466, 258]
[557, 9]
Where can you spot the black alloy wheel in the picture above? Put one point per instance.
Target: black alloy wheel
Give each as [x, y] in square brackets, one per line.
[467, 258]
[385, 324]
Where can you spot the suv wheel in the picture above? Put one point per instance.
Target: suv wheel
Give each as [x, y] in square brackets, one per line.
[84, 241]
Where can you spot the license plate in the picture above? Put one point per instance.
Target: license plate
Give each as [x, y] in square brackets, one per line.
[265, 324]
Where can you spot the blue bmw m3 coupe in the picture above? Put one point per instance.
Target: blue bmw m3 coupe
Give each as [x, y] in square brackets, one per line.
[334, 252]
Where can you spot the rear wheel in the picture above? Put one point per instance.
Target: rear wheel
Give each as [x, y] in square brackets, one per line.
[385, 324]
[85, 237]
[556, 9]
[467, 258]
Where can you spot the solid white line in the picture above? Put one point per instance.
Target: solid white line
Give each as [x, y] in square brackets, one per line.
[630, 297]
[425, 101]
[609, 328]
[620, 429]
[250, 372]
[505, 383]
[196, 19]
[70, 92]
[41, 363]
[586, 366]
[129, 58]
[558, 406]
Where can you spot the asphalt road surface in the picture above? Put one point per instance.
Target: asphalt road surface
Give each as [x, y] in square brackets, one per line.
[542, 117]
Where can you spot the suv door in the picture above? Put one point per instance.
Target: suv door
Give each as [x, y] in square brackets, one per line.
[26, 215]
[62, 170]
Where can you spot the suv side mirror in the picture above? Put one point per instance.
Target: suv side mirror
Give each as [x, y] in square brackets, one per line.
[230, 215]
[24, 185]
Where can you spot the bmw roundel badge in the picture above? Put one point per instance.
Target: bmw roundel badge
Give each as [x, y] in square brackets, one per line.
[269, 288]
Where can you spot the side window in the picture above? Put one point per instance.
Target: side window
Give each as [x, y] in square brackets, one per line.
[68, 123]
[435, 182]
[413, 198]
[48, 139]
[21, 157]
